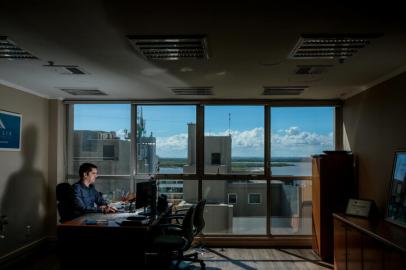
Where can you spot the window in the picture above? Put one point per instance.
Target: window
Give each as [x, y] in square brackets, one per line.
[232, 198]
[254, 198]
[236, 135]
[108, 152]
[215, 159]
[297, 133]
[99, 134]
[166, 139]
[234, 144]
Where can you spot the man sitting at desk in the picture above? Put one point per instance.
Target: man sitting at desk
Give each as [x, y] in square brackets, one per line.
[87, 198]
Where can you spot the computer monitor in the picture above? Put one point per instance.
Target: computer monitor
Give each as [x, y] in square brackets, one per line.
[146, 197]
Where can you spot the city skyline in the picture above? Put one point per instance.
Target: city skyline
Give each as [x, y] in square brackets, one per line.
[295, 131]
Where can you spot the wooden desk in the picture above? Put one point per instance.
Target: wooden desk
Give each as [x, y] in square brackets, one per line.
[361, 243]
[103, 246]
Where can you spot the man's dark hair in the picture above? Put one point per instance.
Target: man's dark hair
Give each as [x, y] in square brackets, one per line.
[85, 168]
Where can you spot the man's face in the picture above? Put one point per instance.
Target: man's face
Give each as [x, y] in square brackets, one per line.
[91, 176]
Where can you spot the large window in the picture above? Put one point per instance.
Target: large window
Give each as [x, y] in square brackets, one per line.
[234, 140]
[242, 198]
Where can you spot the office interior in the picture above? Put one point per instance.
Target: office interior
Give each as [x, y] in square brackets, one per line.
[248, 48]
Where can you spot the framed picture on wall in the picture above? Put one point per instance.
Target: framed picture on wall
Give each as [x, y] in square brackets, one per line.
[396, 206]
[10, 131]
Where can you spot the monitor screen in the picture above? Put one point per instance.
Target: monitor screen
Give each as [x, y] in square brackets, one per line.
[146, 194]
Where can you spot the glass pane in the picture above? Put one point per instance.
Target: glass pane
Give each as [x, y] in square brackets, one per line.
[296, 134]
[166, 139]
[182, 193]
[101, 135]
[228, 210]
[234, 140]
[113, 190]
[291, 207]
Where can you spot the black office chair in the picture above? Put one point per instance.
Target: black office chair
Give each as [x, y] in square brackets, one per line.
[175, 244]
[66, 202]
[198, 221]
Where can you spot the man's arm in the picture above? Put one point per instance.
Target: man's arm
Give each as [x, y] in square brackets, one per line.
[99, 199]
[102, 203]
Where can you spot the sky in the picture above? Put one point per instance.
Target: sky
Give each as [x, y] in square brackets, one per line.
[295, 131]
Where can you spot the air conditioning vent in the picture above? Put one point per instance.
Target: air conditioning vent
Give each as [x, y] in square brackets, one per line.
[75, 70]
[9, 50]
[193, 91]
[170, 47]
[283, 90]
[65, 69]
[83, 92]
[330, 46]
[311, 69]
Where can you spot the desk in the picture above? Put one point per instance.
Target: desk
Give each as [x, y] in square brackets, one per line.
[103, 246]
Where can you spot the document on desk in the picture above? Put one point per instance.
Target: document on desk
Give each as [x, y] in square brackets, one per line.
[96, 221]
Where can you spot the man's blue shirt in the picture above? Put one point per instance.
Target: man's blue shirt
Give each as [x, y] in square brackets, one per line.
[87, 199]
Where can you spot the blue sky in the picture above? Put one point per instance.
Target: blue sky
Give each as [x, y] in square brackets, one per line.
[295, 131]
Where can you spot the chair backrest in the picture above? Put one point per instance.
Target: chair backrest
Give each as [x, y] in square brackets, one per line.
[187, 225]
[198, 221]
[66, 202]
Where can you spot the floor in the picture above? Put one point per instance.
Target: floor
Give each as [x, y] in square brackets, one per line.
[215, 259]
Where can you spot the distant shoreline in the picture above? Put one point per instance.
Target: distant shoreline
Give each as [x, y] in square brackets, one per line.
[240, 161]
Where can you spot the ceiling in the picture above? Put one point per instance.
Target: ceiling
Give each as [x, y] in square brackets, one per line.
[248, 48]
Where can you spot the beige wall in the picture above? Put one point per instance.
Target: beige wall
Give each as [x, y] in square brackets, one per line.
[24, 192]
[374, 127]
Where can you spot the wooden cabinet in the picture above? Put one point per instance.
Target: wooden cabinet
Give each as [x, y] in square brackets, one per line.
[333, 184]
[368, 244]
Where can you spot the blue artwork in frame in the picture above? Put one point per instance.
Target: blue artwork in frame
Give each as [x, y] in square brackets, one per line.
[10, 131]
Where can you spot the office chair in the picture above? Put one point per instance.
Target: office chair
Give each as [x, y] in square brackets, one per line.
[66, 202]
[175, 244]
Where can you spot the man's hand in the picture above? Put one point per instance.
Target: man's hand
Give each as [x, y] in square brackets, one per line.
[107, 209]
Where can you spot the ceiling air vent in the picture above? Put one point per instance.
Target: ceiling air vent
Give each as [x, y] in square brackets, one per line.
[283, 90]
[83, 92]
[311, 69]
[330, 46]
[9, 50]
[170, 47]
[65, 69]
[193, 91]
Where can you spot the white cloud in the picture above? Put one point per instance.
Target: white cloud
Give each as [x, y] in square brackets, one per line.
[251, 142]
[294, 136]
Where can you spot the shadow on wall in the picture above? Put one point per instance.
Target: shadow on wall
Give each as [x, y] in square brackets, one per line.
[24, 198]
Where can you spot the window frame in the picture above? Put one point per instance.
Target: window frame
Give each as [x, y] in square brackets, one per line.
[228, 198]
[249, 197]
